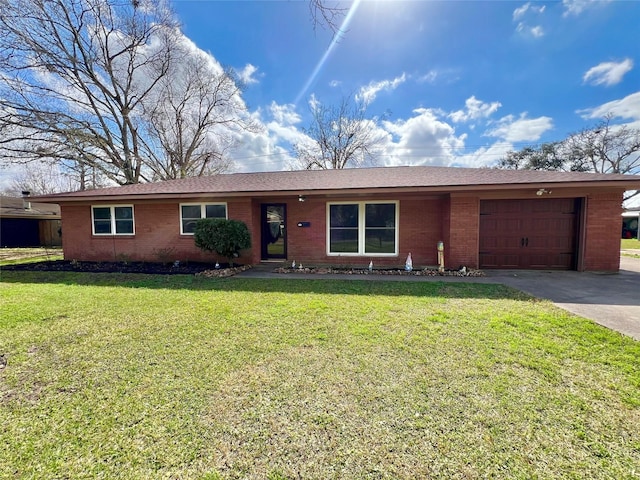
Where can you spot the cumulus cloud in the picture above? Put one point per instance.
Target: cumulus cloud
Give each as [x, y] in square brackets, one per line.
[284, 114]
[486, 156]
[474, 110]
[608, 73]
[246, 75]
[521, 129]
[627, 107]
[268, 148]
[368, 93]
[422, 139]
[576, 7]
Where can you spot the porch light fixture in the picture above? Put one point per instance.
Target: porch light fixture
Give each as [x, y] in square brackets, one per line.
[543, 191]
[301, 198]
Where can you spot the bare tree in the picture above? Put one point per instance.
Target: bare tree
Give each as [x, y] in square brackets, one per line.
[76, 73]
[41, 178]
[326, 14]
[197, 106]
[339, 137]
[604, 148]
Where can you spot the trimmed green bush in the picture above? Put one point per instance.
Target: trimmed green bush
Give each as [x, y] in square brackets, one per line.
[224, 237]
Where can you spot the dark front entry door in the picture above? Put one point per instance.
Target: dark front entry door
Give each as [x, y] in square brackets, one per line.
[535, 233]
[274, 231]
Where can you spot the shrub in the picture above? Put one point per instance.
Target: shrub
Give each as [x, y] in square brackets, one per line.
[225, 237]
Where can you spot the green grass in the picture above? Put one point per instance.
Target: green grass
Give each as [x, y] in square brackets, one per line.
[630, 244]
[133, 376]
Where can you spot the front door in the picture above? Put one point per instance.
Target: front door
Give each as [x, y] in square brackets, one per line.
[274, 231]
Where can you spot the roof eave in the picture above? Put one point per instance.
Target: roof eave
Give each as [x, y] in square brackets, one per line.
[438, 189]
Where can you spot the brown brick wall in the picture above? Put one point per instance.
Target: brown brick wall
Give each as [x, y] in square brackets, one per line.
[157, 235]
[603, 231]
[420, 229]
[423, 222]
[464, 218]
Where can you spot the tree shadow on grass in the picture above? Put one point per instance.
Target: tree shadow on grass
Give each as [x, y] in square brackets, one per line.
[458, 288]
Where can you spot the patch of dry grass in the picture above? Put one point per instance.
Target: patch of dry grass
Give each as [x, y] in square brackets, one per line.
[9, 256]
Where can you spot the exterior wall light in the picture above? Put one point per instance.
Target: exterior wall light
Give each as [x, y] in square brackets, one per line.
[543, 191]
[301, 198]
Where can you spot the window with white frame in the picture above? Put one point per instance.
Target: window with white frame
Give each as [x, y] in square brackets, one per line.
[190, 213]
[113, 220]
[362, 228]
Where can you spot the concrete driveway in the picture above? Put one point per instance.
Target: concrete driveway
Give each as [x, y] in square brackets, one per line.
[612, 300]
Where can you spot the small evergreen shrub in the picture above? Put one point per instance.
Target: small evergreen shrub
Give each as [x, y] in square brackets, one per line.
[224, 237]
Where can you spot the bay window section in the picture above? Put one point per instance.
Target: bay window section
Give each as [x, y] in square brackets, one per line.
[363, 228]
[113, 220]
[191, 213]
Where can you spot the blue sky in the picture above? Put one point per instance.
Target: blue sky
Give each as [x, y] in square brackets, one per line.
[460, 83]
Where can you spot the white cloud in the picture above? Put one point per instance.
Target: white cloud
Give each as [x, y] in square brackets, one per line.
[627, 107]
[439, 75]
[537, 31]
[335, 83]
[486, 156]
[525, 29]
[422, 139]
[576, 7]
[429, 77]
[368, 93]
[284, 114]
[520, 12]
[246, 75]
[265, 148]
[475, 109]
[528, 10]
[608, 73]
[522, 129]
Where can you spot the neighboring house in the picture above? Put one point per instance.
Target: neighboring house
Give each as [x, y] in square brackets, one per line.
[630, 220]
[27, 224]
[487, 218]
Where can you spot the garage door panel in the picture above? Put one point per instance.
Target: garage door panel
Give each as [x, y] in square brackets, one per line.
[538, 233]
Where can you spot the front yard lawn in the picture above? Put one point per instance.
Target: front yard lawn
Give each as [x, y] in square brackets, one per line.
[134, 376]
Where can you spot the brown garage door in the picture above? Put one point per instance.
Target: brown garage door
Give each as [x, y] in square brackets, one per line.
[536, 234]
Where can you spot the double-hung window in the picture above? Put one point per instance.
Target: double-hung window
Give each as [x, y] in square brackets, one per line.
[113, 220]
[190, 213]
[362, 228]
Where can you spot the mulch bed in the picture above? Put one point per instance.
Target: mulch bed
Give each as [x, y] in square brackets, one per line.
[427, 272]
[207, 270]
[178, 268]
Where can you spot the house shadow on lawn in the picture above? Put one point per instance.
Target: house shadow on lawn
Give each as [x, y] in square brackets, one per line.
[287, 284]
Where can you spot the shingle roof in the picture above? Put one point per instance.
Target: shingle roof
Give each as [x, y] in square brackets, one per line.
[15, 207]
[310, 181]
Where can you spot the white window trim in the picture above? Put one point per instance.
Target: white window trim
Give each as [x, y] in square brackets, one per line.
[203, 211]
[362, 229]
[112, 218]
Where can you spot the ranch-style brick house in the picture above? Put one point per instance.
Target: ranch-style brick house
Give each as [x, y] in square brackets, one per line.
[487, 218]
